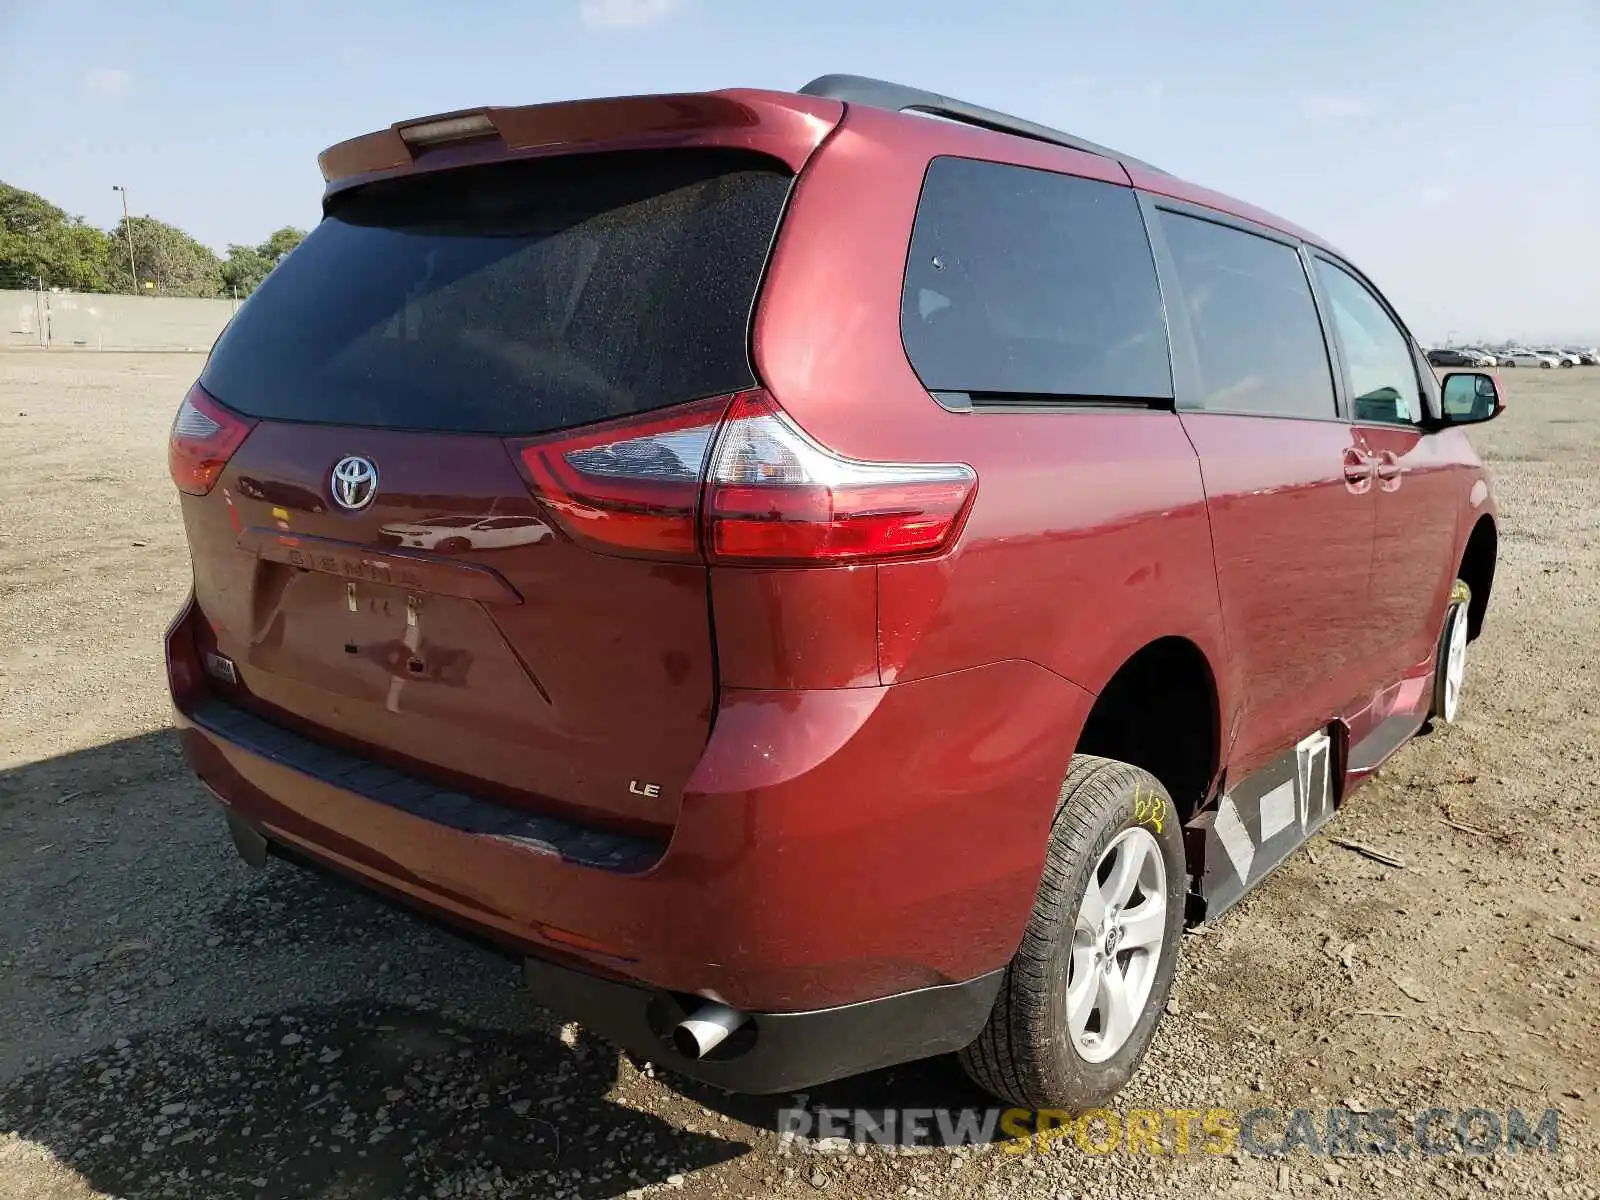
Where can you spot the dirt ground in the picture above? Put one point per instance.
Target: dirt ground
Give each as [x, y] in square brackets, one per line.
[177, 1025]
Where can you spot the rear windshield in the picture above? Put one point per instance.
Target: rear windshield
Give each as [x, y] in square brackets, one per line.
[515, 298]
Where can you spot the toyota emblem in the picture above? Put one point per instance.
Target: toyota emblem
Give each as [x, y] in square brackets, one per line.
[354, 482]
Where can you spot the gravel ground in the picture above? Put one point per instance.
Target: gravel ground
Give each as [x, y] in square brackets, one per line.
[178, 1025]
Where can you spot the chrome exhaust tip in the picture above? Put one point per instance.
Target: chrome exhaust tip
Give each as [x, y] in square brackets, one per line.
[703, 1030]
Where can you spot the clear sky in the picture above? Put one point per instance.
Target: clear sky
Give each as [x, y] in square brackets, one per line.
[1452, 147]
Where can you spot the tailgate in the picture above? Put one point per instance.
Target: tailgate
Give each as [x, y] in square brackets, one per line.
[479, 642]
[372, 559]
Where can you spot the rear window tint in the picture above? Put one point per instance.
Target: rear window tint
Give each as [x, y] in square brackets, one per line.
[515, 298]
[1027, 283]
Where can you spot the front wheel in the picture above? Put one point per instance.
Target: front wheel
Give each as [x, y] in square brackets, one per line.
[1450, 660]
[1083, 994]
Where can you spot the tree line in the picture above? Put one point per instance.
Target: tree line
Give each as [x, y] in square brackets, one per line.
[42, 245]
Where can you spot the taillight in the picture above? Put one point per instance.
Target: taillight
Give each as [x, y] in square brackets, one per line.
[631, 486]
[775, 496]
[736, 481]
[204, 437]
[183, 659]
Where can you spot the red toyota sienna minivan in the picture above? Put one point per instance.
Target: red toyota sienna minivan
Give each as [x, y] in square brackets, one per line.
[823, 586]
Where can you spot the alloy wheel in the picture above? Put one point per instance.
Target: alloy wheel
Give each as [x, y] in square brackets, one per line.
[1455, 663]
[1116, 944]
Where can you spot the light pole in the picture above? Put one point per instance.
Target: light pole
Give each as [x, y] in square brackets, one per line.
[127, 228]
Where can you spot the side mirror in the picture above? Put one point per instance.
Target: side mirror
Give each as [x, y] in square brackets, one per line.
[1470, 397]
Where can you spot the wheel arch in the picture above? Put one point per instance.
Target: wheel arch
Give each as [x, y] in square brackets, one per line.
[1161, 710]
[1477, 570]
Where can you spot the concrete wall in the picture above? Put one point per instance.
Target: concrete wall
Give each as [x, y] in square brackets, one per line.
[70, 320]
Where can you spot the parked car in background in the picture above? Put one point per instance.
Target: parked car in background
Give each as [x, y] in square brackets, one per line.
[1484, 357]
[1528, 358]
[1452, 358]
[1564, 358]
[956, 556]
[1589, 357]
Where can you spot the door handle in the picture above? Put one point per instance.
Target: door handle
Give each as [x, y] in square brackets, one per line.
[1359, 468]
[1389, 471]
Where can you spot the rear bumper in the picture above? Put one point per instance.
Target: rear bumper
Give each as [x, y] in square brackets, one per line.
[832, 848]
[790, 1050]
[772, 1052]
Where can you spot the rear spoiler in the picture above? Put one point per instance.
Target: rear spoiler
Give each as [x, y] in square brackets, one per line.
[787, 126]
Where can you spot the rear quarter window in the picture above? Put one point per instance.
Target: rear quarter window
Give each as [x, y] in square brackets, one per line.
[513, 299]
[1025, 283]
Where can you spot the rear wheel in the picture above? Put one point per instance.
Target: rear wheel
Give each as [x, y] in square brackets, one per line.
[1450, 661]
[1083, 995]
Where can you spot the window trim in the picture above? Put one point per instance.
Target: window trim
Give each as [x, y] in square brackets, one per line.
[1046, 402]
[1186, 365]
[1427, 397]
[1039, 403]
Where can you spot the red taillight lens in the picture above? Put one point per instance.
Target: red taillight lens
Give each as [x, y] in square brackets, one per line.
[204, 437]
[183, 659]
[740, 480]
[631, 486]
[775, 496]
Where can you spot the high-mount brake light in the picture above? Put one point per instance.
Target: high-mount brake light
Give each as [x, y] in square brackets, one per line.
[204, 437]
[736, 481]
[447, 129]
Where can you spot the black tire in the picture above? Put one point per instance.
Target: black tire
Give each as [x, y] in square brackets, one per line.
[1025, 1054]
[454, 545]
[1456, 610]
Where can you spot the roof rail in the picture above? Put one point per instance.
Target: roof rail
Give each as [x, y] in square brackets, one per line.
[859, 89]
